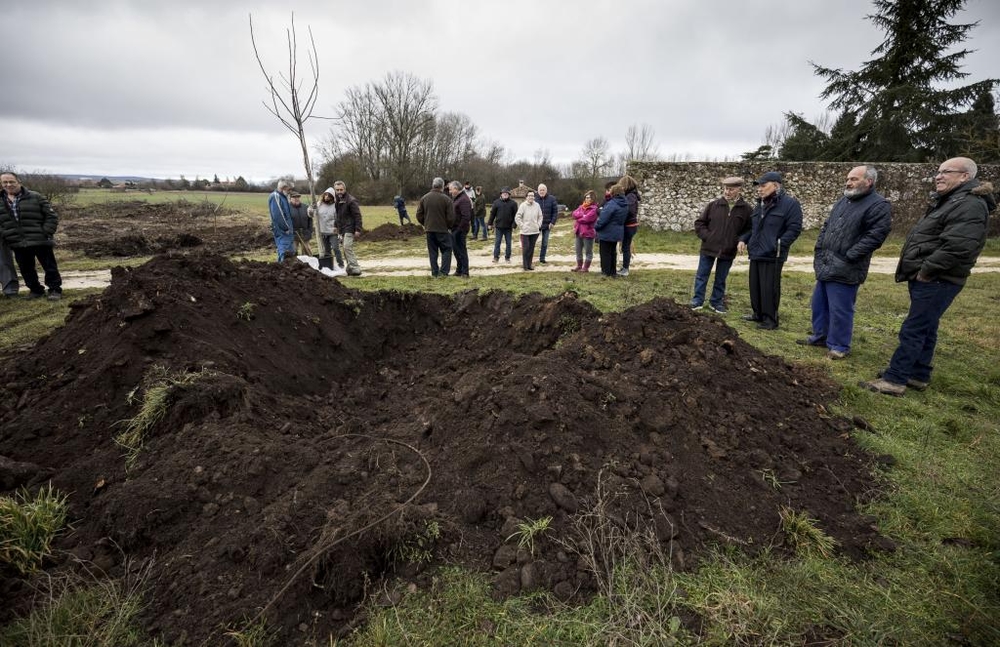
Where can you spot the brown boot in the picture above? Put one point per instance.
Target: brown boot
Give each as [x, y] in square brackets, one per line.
[578, 268]
[586, 266]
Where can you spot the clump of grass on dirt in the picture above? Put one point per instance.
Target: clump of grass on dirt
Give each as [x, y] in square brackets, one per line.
[85, 611]
[804, 535]
[28, 525]
[158, 387]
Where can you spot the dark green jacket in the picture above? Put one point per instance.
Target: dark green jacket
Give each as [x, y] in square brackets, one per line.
[947, 240]
[34, 223]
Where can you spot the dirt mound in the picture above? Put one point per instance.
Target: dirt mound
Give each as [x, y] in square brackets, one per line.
[390, 231]
[345, 436]
[139, 228]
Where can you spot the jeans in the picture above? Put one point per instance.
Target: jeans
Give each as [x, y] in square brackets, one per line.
[350, 256]
[545, 245]
[8, 275]
[528, 249]
[505, 234]
[439, 241]
[25, 257]
[284, 242]
[461, 253]
[584, 250]
[330, 243]
[833, 314]
[722, 267]
[918, 334]
[479, 225]
[627, 246]
[403, 216]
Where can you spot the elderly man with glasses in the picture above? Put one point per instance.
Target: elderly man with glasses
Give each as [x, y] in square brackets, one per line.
[936, 260]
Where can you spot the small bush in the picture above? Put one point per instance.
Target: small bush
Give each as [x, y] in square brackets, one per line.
[28, 526]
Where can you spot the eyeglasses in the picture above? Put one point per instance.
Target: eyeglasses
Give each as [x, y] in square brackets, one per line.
[947, 171]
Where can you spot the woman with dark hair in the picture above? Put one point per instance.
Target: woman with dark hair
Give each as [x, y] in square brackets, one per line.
[583, 230]
[610, 227]
[631, 221]
[529, 220]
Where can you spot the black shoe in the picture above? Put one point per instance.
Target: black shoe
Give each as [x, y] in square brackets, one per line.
[543, 261]
[807, 342]
[767, 325]
[750, 318]
[54, 296]
[36, 295]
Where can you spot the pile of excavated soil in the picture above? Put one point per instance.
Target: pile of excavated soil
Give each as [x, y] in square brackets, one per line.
[320, 430]
[125, 228]
[390, 231]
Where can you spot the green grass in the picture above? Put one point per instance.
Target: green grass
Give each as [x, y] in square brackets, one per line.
[28, 524]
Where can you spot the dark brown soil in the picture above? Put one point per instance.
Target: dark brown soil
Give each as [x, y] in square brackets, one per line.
[138, 228]
[321, 412]
[390, 231]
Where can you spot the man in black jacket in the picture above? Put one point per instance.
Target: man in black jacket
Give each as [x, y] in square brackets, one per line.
[463, 220]
[348, 224]
[28, 225]
[719, 227]
[936, 260]
[502, 223]
[857, 226]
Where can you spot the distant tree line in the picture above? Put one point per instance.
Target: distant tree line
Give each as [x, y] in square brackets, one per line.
[390, 137]
[902, 105]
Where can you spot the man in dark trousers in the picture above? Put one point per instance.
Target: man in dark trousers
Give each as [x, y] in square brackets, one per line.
[936, 260]
[463, 220]
[28, 226]
[857, 226]
[436, 212]
[776, 223]
[550, 213]
[719, 227]
[502, 223]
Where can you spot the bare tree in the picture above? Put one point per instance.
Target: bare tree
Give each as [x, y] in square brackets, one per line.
[596, 158]
[639, 144]
[293, 98]
[362, 129]
[408, 106]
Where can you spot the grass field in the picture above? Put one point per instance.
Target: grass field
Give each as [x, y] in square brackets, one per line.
[941, 508]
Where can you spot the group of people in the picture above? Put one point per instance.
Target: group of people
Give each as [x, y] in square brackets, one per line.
[27, 230]
[935, 262]
[338, 214]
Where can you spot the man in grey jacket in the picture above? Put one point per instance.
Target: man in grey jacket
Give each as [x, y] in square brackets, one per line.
[936, 260]
[857, 226]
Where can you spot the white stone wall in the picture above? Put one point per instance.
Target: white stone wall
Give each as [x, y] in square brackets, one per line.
[674, 193]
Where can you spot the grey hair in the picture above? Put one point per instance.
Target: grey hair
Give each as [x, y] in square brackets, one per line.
[871, 173]
[339, 183]
[284, 184]
[455, 184]
[438, 183]
[542, 186]
[970, 166]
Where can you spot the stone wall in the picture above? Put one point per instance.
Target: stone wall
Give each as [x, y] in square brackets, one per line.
[674, 193]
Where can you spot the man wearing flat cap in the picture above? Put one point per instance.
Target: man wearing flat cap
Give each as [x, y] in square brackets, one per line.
[719, 227]
[776, 223]
[502, 223]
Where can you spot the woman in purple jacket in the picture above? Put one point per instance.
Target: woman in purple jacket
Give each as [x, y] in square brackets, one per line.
[583, 230]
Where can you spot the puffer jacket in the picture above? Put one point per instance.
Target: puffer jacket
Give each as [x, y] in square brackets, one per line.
[30, 222]
[502, 214]
[550, 210]
[855, 229]
[947, 240]
[327, 213]
[529, 218]
[585, 217]
[720, 227]
[610, 225]
[776, 224]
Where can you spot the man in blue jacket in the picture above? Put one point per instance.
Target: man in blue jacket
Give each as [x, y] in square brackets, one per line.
[281, 220]
[776, 223]
[550, 213]
[937, 258]
[857, 226]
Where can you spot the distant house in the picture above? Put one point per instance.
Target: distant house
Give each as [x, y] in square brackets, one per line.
[520, 192]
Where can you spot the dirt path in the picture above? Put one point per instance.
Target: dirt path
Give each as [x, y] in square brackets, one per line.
[480, 262]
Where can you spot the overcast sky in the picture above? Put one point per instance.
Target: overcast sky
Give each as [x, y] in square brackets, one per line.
[162, 89]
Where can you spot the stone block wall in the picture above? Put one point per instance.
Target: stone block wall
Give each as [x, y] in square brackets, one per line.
[674, 193]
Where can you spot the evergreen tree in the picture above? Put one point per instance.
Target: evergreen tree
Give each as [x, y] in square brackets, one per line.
[900, 113]
[979, 135]
[806, 143]
[844, 144]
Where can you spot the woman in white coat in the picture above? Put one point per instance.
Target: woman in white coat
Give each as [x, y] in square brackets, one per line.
[529, 221]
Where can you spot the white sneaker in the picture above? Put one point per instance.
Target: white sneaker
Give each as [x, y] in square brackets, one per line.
[623, 272]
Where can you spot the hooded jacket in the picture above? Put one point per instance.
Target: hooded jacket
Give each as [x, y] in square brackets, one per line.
[855, 229]
[776, 223]
[326, 213]
[947, 240]
[31, 223]
[610, 224]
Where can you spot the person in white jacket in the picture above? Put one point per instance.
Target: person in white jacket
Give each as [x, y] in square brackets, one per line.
[529, 221]
[326, 216]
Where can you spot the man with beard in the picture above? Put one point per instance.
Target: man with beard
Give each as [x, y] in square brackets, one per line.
[857, 226]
